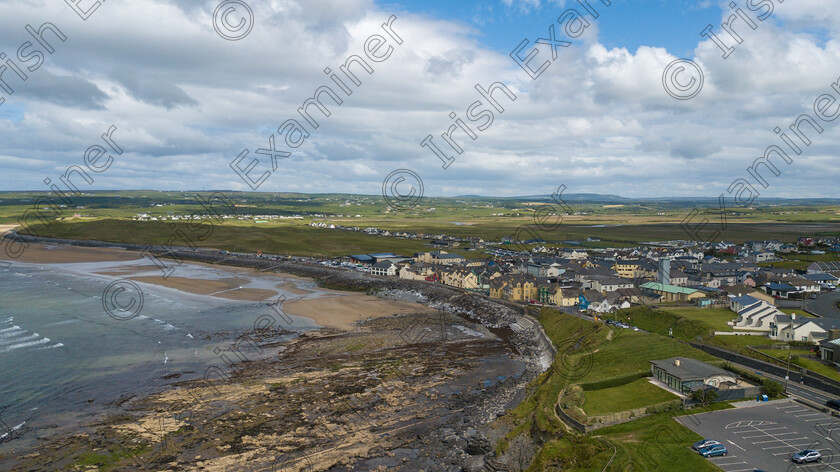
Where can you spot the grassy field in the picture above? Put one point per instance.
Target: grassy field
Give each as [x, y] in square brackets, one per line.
[250, 237]
[715, 318]
[657, 443]
[489, 218]
[732, 342]
[590, 353]
[633, 395]
[664, 321]
[802, 261]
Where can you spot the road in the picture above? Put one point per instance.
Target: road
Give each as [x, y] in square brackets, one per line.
[794, 388]
[825, 305]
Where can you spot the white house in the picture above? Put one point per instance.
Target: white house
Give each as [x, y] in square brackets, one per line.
[386, 268]
[791, 328]
[759, 316]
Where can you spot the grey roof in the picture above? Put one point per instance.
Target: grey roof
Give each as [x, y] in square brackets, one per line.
[448, 256]
[689, 369]
[745, 300]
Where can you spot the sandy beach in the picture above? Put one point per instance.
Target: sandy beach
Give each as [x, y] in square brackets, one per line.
[190, 285]
[335, 310]
[342, 311]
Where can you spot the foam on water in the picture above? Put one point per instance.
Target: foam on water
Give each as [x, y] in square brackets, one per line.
[23, 345]
[17, 340]
[13, 328]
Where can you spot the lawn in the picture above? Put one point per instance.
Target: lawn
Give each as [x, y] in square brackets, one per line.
[633, 395]
[799, 313]
[588, 353]
[666, 322]
[657, 443]
[740, 341]
[716, 318]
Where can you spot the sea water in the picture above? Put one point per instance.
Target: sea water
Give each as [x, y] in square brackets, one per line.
[64, 359]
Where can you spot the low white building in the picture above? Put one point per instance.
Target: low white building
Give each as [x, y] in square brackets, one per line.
[759, 316]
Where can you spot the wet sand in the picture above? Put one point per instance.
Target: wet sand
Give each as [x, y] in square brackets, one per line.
[247, 294]
[335, 310]
[196, 286]
[342, 311]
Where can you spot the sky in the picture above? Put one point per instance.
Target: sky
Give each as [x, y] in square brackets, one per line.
[200, 95]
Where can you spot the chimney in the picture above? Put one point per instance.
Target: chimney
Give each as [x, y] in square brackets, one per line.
[833, 334]
[677, 362]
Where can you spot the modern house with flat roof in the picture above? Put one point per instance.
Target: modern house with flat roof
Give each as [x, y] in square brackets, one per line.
[685, 375]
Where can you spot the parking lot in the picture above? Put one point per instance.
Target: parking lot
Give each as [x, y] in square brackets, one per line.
[765, 435]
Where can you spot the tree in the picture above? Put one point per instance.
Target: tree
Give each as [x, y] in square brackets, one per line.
[705, 395]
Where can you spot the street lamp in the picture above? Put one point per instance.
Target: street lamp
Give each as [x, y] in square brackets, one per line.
[787, 373]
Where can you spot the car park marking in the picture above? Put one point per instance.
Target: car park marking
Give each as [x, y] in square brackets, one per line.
[764, 435]
[767, 439]
[777, 440]
[746, 424]
[739, 447]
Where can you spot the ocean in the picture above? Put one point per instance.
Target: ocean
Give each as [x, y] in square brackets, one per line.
[64, 359]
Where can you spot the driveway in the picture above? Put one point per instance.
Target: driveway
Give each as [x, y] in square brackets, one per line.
[825, 305]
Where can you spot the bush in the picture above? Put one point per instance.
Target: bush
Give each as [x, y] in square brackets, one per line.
[663, 407]
[705, 395]
[769, 387]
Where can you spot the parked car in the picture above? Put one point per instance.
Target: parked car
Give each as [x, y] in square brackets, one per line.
[833, 404]
[713, 451]
[813, 296]
[808, 455]
[704, 443]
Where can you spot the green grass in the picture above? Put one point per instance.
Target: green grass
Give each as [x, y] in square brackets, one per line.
[801, 261]
[664, 321]
[657, 443]
[109, 460]
[799, 313]
[734, 342]
[288, 239]
[804, 358]
[585, 356]
[634, 395]
[716, 318]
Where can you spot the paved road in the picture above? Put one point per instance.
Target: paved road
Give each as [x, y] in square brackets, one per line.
[825, 305]
[794, 388]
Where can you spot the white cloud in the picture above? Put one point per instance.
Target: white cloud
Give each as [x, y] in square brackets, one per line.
[186, 102]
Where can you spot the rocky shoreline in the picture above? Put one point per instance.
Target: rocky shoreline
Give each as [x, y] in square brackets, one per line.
[407, 392]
